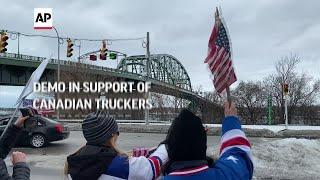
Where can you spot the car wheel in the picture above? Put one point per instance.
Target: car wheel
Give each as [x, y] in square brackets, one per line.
[37, 140]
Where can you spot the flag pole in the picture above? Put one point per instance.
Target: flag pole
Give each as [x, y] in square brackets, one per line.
[35, 76]
[229, 95]
[227, 88]
[11, 119]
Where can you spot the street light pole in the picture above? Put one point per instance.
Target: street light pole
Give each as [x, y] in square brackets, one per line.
[146, 115]
[79, 51]
[270, 109]
[58, 78]
[18, 44]
[286, 109]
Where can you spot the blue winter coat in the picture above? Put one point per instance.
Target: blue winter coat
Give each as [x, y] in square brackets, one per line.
[235, 160]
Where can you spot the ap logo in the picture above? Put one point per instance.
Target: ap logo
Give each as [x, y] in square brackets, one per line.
[42, 18]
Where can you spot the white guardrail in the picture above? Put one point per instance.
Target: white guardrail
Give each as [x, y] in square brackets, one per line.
[119, 121]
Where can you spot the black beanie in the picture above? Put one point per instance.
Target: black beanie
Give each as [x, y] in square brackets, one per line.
[186, 139]
[98, 127]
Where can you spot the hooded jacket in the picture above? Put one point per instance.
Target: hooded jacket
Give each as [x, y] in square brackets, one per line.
[100, 162]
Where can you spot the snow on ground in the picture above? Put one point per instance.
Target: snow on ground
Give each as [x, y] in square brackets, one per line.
[288, 158]
[274, 128]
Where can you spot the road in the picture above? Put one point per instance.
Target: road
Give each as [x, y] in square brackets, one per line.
[49, 161]
[273, 158]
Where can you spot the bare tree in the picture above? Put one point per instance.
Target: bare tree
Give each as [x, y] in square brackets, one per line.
[251, 100]
[302, 90]
[166, 107]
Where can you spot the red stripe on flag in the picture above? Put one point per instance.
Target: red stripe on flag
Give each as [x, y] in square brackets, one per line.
[223, 71]
[220, 86]
[233, 77]
[220, 89]
[215, 66]
[212, 40]
[211, 53]
[223, 81]
[223, 62]
[214, 57]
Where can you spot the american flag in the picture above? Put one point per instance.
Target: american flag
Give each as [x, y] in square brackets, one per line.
[29, 103]
[219, 57]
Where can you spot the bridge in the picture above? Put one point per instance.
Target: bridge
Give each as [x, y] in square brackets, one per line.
[166, 73]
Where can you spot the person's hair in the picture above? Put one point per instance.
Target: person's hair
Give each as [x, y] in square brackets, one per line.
[110, 143]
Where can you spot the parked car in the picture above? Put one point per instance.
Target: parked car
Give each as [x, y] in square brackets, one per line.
[41, 133]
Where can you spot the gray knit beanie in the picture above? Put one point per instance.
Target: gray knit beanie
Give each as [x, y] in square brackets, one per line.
[98, 127]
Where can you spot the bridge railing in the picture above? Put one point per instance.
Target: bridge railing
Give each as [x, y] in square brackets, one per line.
[21, 56]
[62, 62]
[92, 67]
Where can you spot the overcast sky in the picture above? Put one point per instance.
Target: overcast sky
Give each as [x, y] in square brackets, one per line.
[261, 31]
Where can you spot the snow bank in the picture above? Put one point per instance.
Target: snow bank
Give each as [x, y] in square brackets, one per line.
[274, 128]
[287, 158]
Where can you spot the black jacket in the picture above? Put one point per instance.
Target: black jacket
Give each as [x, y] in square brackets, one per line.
[90, 162]
[21, 170]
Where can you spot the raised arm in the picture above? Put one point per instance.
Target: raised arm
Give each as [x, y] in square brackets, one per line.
[142, 168]
[235, 160]
[138, 168]
[9, 137]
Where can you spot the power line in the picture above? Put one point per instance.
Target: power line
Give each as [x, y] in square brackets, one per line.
[79, 39]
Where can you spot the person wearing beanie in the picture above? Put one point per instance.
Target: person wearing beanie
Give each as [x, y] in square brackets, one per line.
[186, 144]
[187, 140]
[101, 159]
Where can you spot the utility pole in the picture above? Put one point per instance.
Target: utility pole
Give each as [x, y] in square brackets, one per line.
[270, 109]
[79, 51]
[58, 78]
[286, 97]
[18, 44]
[286, 109]
[146, 114]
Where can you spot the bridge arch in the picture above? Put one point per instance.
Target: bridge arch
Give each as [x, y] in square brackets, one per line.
[163, 67]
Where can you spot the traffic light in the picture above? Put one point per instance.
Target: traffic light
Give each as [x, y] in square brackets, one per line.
[103, 51]
[69, 48]
[113, 56]
[92, 57]
[3, 42]
[285, 89]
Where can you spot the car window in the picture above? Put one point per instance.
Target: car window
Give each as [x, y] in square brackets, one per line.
[4, 121]
[49, 120]
[40, 122]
